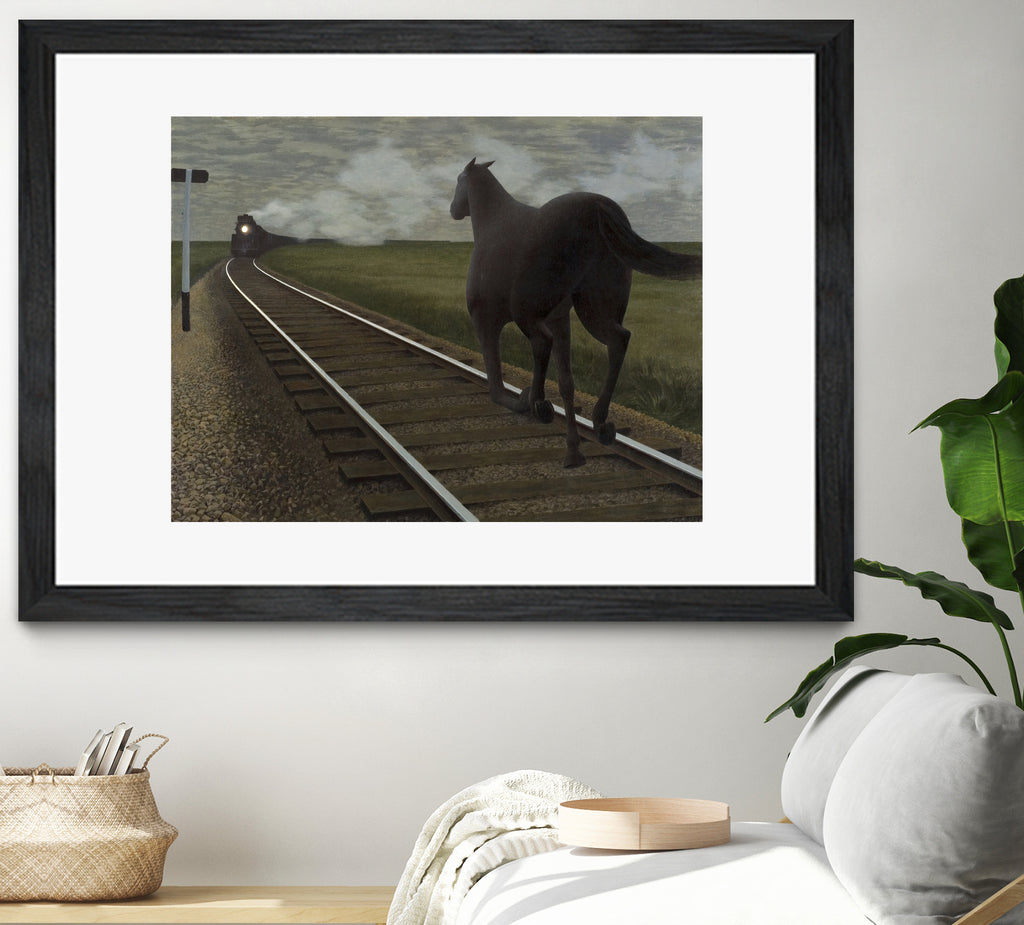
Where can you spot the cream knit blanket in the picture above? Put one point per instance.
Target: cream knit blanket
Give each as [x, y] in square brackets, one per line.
[486, 825]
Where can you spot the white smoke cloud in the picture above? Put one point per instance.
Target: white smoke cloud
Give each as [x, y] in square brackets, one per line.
[378, 194]
[661, 184]
[392, 191]
[645, 170]
[517, 166]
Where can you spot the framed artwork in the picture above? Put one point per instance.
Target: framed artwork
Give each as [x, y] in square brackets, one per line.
[764, 109]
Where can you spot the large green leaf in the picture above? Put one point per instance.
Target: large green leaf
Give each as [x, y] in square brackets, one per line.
[845, 651]
[1009, 299]
[954, 597]
[989, 551]
[1006, 391]
[982, 451]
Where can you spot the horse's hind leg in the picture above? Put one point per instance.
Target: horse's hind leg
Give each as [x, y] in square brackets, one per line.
[561, 332]
[601, 305]
[617, 343]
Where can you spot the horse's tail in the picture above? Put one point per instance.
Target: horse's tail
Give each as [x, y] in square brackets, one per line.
[641, 255]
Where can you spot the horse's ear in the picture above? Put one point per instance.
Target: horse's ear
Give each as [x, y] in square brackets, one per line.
[488, 164]
[470, 164]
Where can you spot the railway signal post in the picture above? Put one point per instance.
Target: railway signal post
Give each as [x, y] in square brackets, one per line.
[188, 176]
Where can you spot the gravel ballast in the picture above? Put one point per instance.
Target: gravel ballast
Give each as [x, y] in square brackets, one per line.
[240, 451]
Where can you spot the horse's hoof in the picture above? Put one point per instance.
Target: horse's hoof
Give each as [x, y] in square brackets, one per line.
[522, 404]
[544, 410]
[606, 433]
[574, 459]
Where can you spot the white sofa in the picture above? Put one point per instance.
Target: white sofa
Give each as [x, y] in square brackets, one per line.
[906, 801]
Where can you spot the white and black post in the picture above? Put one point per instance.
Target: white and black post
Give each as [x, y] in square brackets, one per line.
[188, 176]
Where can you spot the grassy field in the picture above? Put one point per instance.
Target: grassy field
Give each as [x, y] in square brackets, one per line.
[204, 255]
[422, 283]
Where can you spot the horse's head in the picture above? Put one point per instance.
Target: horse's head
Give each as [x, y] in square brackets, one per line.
[460, 202]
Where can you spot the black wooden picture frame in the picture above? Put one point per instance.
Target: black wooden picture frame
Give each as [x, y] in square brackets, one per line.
[828, 597]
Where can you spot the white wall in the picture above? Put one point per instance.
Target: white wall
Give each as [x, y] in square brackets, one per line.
[306, 754]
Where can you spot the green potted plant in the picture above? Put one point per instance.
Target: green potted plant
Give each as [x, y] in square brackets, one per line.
[982, 454]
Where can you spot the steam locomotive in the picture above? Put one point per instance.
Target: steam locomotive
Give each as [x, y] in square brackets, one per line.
[251, 239]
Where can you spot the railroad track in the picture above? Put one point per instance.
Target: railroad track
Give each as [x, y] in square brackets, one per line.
[417, 433]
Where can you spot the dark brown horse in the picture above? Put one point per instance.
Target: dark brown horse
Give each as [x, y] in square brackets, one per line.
[534, 265]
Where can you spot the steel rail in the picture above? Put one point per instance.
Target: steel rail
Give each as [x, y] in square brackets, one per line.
[393, 448]
[637, 448]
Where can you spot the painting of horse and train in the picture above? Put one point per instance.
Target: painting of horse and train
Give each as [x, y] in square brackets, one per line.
[438, 318]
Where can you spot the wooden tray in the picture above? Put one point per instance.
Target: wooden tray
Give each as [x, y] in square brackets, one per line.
[643, 824]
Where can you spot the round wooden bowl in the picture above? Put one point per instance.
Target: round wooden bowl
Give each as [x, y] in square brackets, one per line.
[643, 824]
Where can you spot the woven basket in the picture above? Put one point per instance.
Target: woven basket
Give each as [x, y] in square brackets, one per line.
[77, 839]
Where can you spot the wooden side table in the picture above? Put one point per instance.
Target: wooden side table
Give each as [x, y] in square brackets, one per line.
[216, 904]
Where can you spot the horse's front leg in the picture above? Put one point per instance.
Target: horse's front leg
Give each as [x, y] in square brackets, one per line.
[540, 338]
[488, 333]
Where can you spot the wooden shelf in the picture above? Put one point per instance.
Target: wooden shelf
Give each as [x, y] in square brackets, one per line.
[216, 904]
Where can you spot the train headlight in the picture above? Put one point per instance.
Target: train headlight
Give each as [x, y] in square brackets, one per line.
[244, 229]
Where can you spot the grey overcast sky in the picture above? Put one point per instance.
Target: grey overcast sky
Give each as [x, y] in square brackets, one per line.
[365, 180]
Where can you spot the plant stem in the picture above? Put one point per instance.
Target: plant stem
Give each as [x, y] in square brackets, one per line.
[980, 673]
[1009, 545]
[1009, 661]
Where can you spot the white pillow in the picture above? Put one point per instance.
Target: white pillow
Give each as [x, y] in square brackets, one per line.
[852, 703]
[925, 817]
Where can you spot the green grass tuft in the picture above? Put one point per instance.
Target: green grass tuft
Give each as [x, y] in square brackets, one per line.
[205, 254]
